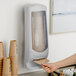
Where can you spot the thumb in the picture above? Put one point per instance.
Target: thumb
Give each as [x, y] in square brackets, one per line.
[47, 65]
[44, 65]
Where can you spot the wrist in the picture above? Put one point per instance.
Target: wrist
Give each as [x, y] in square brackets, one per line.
[57, 65]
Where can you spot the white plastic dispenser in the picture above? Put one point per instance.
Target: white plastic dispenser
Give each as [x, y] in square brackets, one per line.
[36, 36]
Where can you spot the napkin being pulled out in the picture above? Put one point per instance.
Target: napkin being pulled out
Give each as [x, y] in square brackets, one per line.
[41, 61]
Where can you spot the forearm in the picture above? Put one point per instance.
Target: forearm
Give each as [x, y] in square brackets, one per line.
[68, 61]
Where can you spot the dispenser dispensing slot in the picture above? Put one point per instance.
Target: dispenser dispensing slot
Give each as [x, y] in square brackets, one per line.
[39, 35]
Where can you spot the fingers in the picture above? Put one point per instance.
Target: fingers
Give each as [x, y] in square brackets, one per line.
[46, 69]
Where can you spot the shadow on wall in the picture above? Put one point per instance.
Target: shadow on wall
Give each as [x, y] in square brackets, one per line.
[20, 33]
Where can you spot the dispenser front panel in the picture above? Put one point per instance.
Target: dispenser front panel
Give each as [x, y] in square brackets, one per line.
[39, 31]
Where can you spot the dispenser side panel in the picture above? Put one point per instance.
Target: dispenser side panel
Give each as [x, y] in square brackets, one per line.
[27, 35]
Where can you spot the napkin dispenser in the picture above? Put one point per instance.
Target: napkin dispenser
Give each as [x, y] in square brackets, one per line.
[36, 36]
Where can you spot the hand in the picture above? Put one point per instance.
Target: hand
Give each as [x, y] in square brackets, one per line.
[50, 67]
